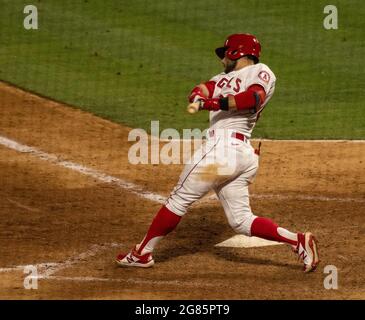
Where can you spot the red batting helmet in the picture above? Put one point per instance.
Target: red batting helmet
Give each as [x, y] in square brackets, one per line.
[238, 45]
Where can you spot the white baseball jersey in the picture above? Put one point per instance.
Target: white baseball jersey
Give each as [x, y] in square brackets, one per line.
[234, 83]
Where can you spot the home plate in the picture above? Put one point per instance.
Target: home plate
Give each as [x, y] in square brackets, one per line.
[241, 241]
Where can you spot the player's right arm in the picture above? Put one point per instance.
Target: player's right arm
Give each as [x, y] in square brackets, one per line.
[202, 91]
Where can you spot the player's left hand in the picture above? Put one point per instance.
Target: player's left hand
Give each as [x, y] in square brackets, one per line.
[210, 104]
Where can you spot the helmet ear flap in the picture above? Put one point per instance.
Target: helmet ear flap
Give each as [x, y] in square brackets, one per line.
[220, 52]
[255, 59]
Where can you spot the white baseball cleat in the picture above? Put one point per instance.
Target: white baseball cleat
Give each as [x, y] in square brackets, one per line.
[133, 259]
[307, 251]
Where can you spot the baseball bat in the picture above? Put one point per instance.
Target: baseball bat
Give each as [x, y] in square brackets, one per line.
[193, 107]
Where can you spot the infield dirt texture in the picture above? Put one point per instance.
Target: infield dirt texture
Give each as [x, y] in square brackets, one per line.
[52, 214]
[70, 200]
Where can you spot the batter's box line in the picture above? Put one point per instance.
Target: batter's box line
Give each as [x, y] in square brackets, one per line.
[48, 269]
[39, 266]
[298, 197]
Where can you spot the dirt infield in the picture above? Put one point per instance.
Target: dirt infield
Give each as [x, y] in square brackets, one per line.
[72, 225]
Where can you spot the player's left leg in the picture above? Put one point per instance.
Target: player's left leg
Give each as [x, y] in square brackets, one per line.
[235, 201]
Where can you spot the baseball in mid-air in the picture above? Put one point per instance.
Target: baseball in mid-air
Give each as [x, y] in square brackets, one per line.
[193, 107]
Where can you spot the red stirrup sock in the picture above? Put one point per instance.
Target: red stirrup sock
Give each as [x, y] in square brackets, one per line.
[164, 222]
[267, 229]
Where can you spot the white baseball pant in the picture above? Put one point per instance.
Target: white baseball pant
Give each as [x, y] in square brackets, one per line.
[226, 165]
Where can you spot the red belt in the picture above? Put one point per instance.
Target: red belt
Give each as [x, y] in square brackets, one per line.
[239, 136]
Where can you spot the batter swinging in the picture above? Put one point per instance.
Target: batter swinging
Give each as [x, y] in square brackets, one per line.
[226, 163]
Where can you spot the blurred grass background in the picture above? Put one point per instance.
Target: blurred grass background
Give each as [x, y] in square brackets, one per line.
[136, 61]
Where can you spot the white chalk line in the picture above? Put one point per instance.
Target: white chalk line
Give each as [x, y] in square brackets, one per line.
[22, 206]
[305, 197]
[133, 188]
[93, 251]
[271, 140]
[39, 266]
[309, 141]
[47, 269]
[298, 197]
[133, 281]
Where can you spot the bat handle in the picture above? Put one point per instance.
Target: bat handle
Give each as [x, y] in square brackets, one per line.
[194, 107]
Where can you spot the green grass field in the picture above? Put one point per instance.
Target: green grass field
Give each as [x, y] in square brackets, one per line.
[136, 61]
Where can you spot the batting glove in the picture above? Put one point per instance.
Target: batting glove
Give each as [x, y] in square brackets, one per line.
[196, 94]
[214, 104]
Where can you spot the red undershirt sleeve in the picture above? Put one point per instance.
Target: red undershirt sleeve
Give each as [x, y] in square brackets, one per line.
[253, 97]
[210, 86]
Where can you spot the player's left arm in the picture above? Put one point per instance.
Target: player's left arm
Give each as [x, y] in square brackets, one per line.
[252, 98]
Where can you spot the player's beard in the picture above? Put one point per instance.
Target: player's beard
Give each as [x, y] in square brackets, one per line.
[231, 64]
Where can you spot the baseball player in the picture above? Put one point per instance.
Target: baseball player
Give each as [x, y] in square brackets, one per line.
[226, 163]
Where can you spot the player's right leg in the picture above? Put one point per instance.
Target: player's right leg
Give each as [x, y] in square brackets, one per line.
[192, 186]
